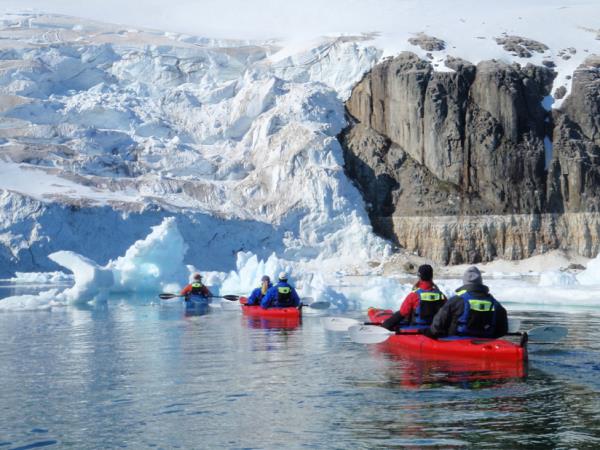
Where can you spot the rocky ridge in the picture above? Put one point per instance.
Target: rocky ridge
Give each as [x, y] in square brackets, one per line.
[469, 165]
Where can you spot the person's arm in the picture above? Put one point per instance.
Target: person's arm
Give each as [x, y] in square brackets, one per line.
[409, 304]
[253, 297]
[441, 321]
[266, 300]
[186, 290]
[206, 292]
[393, 322]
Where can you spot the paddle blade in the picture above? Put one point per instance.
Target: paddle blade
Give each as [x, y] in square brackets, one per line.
[369, 334]
[338, 323]
[229, 306]
[231, 298]
[547, 334]
[318, 305]
[514, 325]
[167, 296]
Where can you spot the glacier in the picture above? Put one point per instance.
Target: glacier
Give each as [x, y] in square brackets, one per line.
[123, 130]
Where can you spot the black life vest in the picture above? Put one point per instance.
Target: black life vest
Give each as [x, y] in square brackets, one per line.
[430, 302]
[479, 315]
[198, 289]
[284, 296]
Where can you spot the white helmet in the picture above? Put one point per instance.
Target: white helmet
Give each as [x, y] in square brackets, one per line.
[283, 276]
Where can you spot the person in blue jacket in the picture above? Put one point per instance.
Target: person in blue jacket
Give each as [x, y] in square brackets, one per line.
[258, 294]
[282, 295]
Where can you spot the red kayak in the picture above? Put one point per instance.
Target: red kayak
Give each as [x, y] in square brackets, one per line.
[451, 347]
[259, 311]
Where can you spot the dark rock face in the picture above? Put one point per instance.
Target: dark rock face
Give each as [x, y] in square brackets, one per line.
[469, 145]
[575, 169]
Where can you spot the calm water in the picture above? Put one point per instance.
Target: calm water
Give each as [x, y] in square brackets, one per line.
[135, 374]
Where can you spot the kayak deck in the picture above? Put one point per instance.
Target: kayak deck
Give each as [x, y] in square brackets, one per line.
[450, 347]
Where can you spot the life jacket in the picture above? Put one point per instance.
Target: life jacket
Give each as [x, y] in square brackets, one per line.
[284, 296]
[430, 302]
[198, 288]
[479, 315]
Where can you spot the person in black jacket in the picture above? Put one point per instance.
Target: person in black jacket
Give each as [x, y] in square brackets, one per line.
[471, 312]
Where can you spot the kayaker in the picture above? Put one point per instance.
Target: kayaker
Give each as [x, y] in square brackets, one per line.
[471, 312]
[421, 305]
[258, 294]
[282, 295]
[195, 288]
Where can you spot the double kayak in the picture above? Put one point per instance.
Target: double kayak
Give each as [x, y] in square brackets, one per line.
[450, 347]
[258, 311]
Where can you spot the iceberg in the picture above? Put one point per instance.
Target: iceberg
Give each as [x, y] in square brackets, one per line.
[149, 265]
[591, 275]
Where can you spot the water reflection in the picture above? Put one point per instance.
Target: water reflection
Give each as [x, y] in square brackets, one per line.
[414, 370]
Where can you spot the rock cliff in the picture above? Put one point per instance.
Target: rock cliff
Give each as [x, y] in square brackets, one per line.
[453, 164]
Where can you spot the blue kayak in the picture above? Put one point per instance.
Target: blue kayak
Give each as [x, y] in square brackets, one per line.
[197, 304]
[193, 299]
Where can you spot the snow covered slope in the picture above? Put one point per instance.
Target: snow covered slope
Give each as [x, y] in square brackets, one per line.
[98, 119]
[236, 139]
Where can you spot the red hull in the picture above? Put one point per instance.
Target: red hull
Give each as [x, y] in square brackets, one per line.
[498, 350]
[257, 311]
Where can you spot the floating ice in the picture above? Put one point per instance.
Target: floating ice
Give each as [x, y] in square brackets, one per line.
[153, 262]
[591, 275]
[41, 278]
[557, 278]
[92, 282]
[44, 301]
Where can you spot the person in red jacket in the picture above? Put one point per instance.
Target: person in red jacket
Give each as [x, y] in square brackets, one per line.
[420, 306]
[195, 288]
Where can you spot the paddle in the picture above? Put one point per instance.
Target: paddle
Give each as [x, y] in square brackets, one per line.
[372, 334]
[315, 305]
[339, 323]
[343, 323]
[233, 298]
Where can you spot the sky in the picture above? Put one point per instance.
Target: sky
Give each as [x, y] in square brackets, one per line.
[224, 18]
[259, 19]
